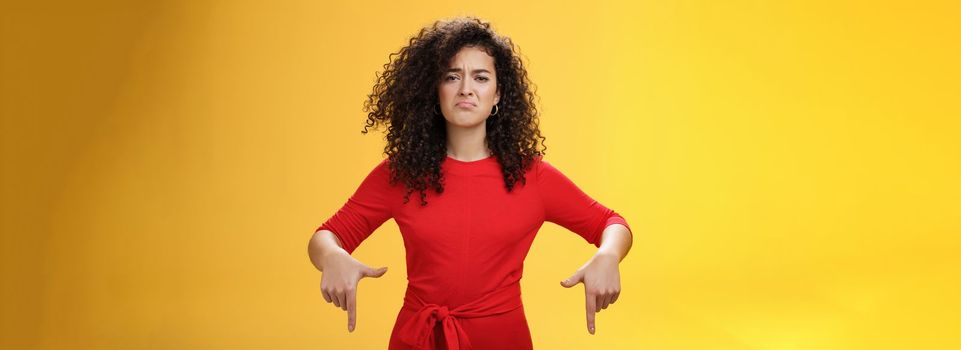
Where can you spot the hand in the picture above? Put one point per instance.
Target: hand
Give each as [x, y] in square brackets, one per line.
[339, 281]
[602, 284]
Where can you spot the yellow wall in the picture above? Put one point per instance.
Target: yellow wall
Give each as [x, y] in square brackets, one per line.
[791, 170]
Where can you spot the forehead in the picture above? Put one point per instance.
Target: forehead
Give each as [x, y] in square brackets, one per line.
[472, 56]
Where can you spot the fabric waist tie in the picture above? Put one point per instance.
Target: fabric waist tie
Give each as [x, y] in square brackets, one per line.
[418, 331]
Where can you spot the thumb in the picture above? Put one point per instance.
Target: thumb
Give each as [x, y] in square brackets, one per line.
[576, 278]
[375, 272]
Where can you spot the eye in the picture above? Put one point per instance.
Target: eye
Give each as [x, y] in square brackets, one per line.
[483, 78]
[449, 77]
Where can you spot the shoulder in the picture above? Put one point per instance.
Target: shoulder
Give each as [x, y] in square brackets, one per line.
[538, 162]
[383, 165]
[379, 174]
[383, 171]
[541, 166]
[544, 172]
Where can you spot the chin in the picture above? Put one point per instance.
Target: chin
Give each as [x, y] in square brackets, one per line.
[466, 122]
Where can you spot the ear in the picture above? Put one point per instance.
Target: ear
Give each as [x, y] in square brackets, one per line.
[497, 97]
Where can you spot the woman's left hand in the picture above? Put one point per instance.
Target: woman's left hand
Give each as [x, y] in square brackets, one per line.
[602, 284]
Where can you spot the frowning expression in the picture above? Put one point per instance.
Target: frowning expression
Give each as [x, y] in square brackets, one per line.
[468, 89]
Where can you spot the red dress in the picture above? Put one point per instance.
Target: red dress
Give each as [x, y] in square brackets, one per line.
[466, 248]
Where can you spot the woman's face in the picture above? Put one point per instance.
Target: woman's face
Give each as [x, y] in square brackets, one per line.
[468, 90]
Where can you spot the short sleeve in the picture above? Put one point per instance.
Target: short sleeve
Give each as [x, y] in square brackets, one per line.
[568, 206]
[365, 210]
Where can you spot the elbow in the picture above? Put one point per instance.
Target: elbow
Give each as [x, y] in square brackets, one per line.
[323, 238]
[321, 243]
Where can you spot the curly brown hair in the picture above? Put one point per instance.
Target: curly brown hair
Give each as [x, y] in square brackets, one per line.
[405, 98]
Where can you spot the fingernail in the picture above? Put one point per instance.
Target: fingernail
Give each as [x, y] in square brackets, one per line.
[592, 330]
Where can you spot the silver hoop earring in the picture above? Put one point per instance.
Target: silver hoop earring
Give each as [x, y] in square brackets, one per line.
[495, 110]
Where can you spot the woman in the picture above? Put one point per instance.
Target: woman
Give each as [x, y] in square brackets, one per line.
[462, 130]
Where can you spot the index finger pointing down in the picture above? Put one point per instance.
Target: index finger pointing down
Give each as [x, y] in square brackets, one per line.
[351, 310]
[591, 311]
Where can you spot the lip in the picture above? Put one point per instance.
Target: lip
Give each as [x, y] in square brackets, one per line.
[466, 104]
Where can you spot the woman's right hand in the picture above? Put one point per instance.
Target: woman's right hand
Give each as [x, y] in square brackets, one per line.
[339, 280]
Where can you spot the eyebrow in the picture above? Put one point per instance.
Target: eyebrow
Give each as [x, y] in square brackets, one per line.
[458, 70]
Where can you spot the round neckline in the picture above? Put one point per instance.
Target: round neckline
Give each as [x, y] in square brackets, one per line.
[490, 157]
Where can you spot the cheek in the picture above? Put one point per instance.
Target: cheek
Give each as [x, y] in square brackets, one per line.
[490, 93]
[444, 92]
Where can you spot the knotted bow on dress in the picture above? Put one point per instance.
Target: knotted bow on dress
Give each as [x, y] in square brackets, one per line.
[418, 331]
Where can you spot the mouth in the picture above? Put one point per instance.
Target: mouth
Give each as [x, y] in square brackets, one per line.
[465, 104]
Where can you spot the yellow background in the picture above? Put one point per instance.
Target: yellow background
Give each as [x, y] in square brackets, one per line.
[790, 169]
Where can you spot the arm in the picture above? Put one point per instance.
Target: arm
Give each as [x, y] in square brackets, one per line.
[570, 207]
[322, 243]
[601, 275]
[616, 241]
[341, 273]
[333, 242]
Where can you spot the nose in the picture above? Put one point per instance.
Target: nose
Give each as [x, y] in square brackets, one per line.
[465, 88]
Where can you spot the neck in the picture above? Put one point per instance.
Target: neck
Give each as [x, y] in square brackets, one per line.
[467, 144]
